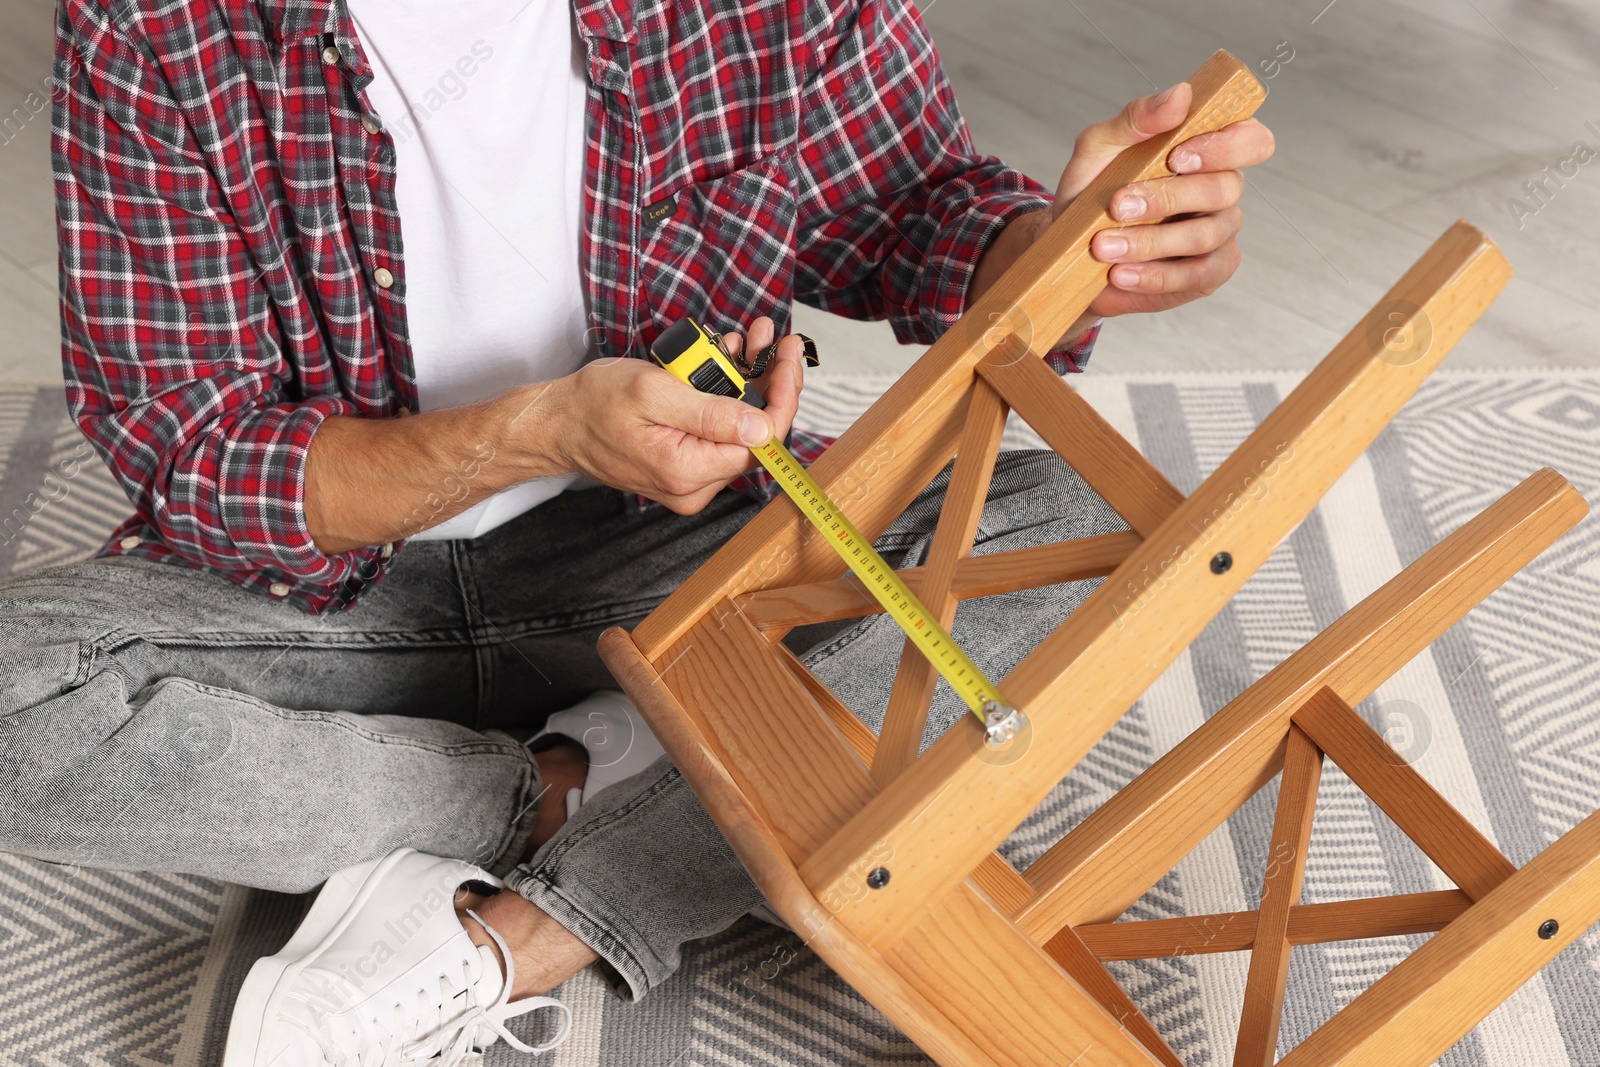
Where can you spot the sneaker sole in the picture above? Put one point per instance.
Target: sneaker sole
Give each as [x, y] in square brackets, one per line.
[337, 902]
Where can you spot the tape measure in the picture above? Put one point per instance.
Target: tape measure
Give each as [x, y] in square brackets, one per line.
[696, 356]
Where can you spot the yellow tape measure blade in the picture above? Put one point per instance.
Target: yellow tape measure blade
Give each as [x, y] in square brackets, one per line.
[890, 590]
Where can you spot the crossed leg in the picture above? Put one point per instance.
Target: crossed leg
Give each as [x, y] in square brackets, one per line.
[155, 718]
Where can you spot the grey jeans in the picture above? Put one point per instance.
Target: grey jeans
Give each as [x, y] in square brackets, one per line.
[158, 718]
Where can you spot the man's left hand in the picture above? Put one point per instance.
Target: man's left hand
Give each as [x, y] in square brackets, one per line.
[1192, 250]
[1185, 247]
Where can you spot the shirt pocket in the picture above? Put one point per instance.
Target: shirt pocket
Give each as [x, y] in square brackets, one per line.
[724, 252]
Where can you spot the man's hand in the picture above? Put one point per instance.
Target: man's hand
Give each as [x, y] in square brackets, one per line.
[633, 426]
[1193, 251]
[624, 422]
[1187, 249]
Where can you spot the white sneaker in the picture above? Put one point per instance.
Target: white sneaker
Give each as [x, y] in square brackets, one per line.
[619, 743]
[382, 974]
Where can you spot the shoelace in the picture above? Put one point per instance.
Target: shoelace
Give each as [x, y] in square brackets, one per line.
[451, 1041]
[459, 1038]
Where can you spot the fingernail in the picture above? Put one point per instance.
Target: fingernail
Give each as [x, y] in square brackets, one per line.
[1131, 206]
[1185, 160]
[1112, 247]
[753, 429]
[1165, 95]
[1125, 277]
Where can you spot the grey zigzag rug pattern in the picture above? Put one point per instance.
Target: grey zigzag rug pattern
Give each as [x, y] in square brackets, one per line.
[1503, 714]
[96, 967]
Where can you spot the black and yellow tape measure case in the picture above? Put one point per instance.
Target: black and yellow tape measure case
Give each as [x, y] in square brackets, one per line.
[696, 356]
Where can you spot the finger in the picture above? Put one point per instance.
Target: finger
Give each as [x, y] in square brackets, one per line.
[1164, 197]
[782, 384]
[1243, 144]
[1193, 236]
[761, 334]
[1201, 275]
[717, 419]
[1099, 144]
[1113, 302]
[790, 357]
[734, 343]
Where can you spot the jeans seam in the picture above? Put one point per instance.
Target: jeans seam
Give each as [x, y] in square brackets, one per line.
[480, 635]
[487, 746]
[86, 653]
[331, 641]
[523, 819]
[612, 614]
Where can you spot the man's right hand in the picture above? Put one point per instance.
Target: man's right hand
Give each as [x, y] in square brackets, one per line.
[624, 422]
[633, 426]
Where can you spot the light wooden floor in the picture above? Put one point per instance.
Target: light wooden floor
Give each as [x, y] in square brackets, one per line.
[1393, 118]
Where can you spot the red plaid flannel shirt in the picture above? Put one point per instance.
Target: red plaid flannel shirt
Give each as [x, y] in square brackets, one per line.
[230, 245]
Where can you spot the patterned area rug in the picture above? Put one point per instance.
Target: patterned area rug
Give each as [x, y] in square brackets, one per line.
[1502, 714]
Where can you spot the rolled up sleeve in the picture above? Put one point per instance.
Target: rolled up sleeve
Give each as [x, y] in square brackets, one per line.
[174, 368]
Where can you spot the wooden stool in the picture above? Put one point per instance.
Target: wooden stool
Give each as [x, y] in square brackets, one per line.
[885, 860]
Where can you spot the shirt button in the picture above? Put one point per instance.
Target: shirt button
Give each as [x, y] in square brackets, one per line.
[278, 589]
[371, 125]
[129, 543]
[330, 55]
[383, 277]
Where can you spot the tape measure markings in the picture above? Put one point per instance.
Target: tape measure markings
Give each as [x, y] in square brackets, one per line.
[886, 585]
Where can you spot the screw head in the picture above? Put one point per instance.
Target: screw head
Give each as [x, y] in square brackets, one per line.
[1222, 563]
[1548, 929]
[878, 878]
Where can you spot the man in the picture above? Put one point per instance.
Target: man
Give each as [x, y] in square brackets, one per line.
[256, 681]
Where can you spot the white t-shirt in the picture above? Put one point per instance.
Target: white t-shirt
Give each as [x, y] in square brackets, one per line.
[485, 102]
